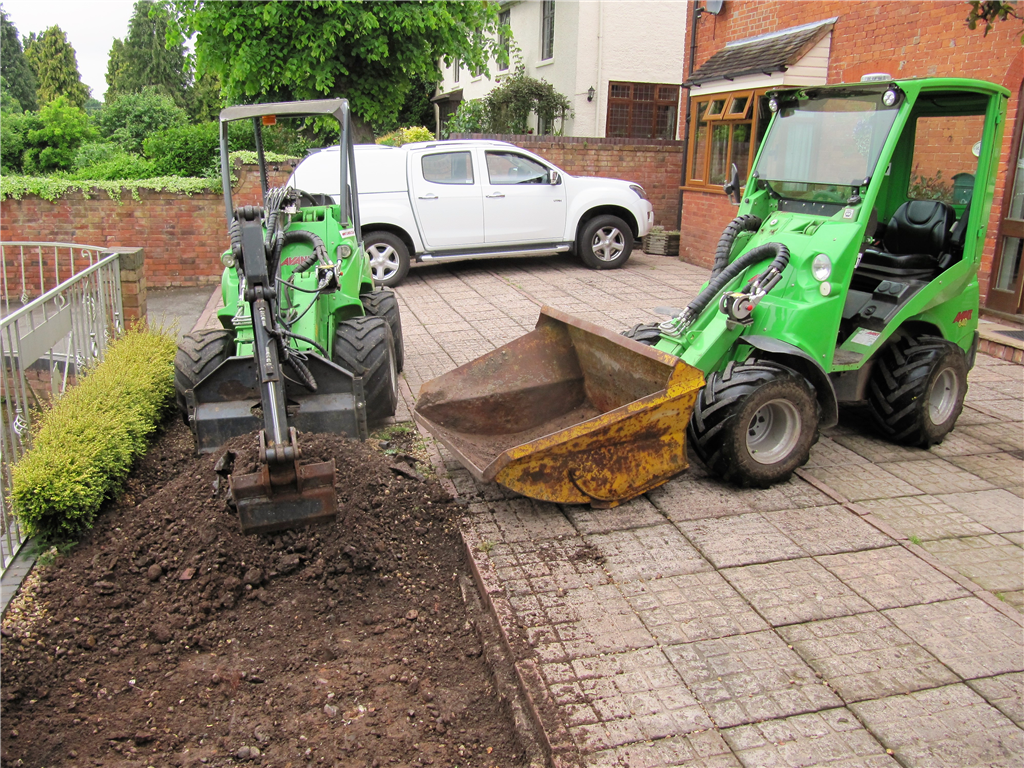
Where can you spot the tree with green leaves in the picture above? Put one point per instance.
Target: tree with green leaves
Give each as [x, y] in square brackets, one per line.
[19, 79]
[129, 119]
[56, 68]
[988, 12]
[145, 59]
[51, 144]
[373, 53]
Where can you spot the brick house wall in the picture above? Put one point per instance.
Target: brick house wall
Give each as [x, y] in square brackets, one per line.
[916, 38]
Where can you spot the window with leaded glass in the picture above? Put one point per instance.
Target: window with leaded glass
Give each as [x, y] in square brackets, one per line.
[642, 110]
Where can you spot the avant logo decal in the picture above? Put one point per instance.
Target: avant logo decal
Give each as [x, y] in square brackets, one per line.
[963, 316]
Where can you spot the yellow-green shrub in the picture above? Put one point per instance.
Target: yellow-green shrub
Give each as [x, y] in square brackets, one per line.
[406, 136]
[87, 443]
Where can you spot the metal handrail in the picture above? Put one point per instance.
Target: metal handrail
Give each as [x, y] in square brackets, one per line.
[54, 292]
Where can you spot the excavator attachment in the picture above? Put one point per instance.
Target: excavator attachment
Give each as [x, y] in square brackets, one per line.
[571, 413]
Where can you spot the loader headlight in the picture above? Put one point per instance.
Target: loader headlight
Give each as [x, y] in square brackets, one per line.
[344, 251]
[227, 259]
[773, 104]
[890, 97]
[821, 267]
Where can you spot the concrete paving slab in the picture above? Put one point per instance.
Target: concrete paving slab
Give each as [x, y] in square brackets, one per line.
[827, 530]
[944, 727]
[828, 453]
[891, 577]
[865, 443]
[1001, 409]
[638, 513]
[1004, 692]
[998, 510]
[1001, 469]
[966, 635]
[864, 481]
[990, 561]
[1000, 436]
[866, 657]
[749, 678]
[936, 475]
[647, 553]
[832, 738]
[695, 750]
[740, 540]
[792, 591]
[925, 517]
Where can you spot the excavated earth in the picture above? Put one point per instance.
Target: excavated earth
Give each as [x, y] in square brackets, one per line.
[168, 638]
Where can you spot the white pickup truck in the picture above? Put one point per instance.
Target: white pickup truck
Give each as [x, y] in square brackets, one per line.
[471, 199]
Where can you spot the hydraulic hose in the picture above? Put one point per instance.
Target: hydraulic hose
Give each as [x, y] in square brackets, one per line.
[745, 223]
[319, 252]
[723, 278]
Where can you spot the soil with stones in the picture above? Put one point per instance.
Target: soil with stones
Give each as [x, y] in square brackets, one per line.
[168, 638]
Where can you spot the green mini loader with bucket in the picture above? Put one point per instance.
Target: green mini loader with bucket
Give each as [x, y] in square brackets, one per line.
[850, 275]
[305, 342]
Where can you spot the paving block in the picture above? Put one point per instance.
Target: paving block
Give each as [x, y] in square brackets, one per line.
[864, 481]
[739, 540]
[749, 678]
[695, 496]
[792, 591]
[588, 622]
[1000, 469]
[795, 493]
[964, 441]
[968, 636]
[691, 607]
[866, 657]
[832, 738]
[944, 727]
[827, 530]
[828, 453]
[891, 577]
[998, 510]
[548, 565]
[1004, 692]
[647, 553]
[989, 561]
[876, 449]
[926, 517]
[695, 750]
[937, 475]
[1000, 435]
[637, 513]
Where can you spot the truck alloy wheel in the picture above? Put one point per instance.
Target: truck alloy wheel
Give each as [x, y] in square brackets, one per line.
[389, 258]
[605, 242]
[754, 423]
[917, 390]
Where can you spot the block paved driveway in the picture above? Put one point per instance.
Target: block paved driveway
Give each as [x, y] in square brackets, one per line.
[866, 613]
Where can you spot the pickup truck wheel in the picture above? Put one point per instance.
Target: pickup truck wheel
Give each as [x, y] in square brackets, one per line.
[383, 303]
[647, 334]
[605, 242]
[364, 346]
[199, 352]
[389, 258]
[917, 390]
[753, 424]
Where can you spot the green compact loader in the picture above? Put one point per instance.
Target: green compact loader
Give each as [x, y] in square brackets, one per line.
[850, 275]
[305, 342]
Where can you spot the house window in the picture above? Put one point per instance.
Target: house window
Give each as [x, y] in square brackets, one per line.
[642, 110]
[547, 30]
[504, 42]
[726, 128]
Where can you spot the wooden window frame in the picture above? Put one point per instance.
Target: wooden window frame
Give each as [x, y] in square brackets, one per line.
[657, 102]
[505, 43]
[747, 116]
[547, 30]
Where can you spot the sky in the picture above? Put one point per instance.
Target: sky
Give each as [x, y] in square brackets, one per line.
[91, 26]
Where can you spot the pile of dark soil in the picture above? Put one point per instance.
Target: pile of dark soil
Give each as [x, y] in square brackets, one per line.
[167, 638]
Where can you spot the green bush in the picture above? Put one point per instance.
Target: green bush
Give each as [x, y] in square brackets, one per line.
[124, 166]
[14, 138]
[87, 443]
[405, 136]
[130, 118]
[185, 150]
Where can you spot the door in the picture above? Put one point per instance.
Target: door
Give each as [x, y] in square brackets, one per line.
[1004, 294]
[446, 196]
[521, 205]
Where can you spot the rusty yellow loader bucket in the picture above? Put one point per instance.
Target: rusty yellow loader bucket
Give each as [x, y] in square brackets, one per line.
[570, 413]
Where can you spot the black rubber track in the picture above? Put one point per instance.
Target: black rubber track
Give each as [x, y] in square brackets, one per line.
[383, 303]
[364, 346]
[717, 429]
[900, 384]
[647, 334]
[199, 352]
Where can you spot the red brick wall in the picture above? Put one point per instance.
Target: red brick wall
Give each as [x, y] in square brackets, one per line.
[182, 237]
[655, 165]
[915, 38]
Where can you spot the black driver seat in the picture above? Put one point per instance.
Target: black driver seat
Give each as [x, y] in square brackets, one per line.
[916, 243]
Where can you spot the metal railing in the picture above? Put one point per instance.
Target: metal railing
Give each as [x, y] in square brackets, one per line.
[46, 342]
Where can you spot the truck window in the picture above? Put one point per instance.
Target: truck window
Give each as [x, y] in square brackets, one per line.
[448, 168]
[512, 168]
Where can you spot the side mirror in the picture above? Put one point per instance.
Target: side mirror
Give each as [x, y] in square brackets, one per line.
[554, 178]
[732, 189]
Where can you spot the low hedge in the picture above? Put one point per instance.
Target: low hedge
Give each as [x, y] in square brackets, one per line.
[87, 443]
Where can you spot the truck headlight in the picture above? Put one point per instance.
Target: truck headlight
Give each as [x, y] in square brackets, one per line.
[821, 267]
[639, 190]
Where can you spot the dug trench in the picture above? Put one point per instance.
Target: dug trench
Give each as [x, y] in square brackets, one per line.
[166, 637]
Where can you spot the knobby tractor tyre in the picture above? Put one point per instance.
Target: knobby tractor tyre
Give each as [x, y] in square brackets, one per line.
[383, 303]
[199, 352]
[917, 390]
[364, 346]
[647, 334]
[605, 242]
[753, 424]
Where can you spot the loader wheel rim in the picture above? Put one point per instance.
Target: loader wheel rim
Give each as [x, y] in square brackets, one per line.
[773, 432]
[943, 397]
[384, 261]
[608, 243]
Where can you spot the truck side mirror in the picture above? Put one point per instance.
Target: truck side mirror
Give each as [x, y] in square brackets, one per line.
[554, 178]
[732, 189]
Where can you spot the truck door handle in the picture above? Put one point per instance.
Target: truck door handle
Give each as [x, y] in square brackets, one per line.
[428, 196]
[495, 195]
